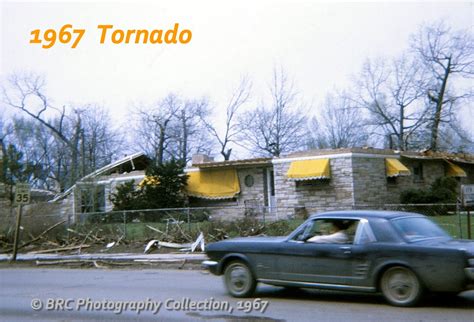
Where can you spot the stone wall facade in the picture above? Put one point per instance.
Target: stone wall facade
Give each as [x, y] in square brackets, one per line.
[250, 200]
[356, 180]
[314, 195]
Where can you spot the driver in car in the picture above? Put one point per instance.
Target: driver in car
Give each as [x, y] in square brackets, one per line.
[338, 235]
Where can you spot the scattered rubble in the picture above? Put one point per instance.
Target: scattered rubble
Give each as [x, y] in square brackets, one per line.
[156, 244]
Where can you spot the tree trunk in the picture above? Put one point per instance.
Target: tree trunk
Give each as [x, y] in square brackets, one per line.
[184, 151]
[439, 108]
[161, 146]
[75, 153]
[226, 154]
[401, 139]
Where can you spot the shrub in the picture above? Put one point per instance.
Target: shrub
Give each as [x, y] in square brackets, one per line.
[443, 190]
[163, 187]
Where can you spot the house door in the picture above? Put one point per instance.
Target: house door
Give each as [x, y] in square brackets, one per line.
[270, 190]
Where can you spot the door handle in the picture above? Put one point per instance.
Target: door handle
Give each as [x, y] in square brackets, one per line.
[346, 249]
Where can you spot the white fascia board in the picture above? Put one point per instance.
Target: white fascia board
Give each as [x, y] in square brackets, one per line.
[120, 179]
[339, 155]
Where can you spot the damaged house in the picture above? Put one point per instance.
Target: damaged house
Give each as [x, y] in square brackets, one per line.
[302, 182]
[92, 192]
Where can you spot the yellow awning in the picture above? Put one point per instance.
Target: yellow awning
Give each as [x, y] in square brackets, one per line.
[213, 184]
[394, 168]
[455, 170]
[309, 169]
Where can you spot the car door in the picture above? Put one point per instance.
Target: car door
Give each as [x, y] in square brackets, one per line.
[313, 262]
[361, 255]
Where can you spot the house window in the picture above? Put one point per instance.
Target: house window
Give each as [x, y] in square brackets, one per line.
[92, 199]
[313, 183]
[418, 172]
[391, 180]
[249, 181]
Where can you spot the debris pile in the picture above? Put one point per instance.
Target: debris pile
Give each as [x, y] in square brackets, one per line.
[75, 242]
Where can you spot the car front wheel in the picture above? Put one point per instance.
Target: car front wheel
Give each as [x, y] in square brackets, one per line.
[239, 280]
[400, 286]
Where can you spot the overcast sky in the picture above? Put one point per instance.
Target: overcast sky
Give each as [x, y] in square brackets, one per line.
[319, 44]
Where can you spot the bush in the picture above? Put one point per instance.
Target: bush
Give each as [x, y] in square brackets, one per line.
[278, 228]
[163, 187]
[415, 196]
[443, 190]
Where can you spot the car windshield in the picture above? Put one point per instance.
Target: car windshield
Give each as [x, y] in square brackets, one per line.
[418, 228]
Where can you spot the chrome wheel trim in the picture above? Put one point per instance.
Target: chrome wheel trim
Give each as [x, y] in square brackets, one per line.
[238, 278]
[400, 286]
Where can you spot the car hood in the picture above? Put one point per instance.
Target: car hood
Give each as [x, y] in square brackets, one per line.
[258, 239]
[244, 243]
[461, 244]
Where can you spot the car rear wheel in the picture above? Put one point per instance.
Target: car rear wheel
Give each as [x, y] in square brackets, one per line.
[239, 280]
[400, 286]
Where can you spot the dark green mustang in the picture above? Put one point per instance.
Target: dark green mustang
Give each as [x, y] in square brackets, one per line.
[402, 255]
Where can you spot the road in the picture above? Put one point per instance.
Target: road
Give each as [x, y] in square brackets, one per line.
[169, 295]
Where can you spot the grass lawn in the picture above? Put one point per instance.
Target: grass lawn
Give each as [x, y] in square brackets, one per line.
[451, 225]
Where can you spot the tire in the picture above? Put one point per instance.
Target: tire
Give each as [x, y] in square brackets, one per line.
[401, 287]
[239, 280]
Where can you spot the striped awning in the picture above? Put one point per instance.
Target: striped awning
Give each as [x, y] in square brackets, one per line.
[309, 169]
[213, 184]
[453, 170]
[394, 168]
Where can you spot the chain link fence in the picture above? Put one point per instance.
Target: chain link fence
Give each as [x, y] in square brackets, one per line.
[185, 224]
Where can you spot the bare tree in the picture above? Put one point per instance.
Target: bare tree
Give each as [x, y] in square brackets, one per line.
[172, 128]
[453, 137]
[446, 55]
[278, 127]
[5, 130]
[188, 132]
[100, 141]
[391, 93]
[153, 126]
[339, 126]
[63, 156]
[239, 97]
[26, 93]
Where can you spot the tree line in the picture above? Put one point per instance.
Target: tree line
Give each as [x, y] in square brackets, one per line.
[406, 102]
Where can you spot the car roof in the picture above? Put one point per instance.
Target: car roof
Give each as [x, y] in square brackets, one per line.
[387, 214]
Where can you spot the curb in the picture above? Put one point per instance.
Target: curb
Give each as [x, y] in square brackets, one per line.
[123, 258]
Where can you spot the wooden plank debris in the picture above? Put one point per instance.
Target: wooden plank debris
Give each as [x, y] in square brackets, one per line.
[61, 249]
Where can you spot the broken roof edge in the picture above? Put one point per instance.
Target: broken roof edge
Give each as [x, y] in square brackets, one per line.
[453, 157]
[110, 166]
[98, 172]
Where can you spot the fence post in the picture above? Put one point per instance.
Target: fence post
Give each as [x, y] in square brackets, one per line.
[68, 233]
[468, 224]
[124, 224]
[189, 219]
[459, 218]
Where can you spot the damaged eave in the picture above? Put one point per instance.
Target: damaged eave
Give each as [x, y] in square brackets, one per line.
[464, 158]
[106, 170]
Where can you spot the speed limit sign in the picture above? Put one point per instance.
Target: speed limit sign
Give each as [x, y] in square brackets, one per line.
[22, 194]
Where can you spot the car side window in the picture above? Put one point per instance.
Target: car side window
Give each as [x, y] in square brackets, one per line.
[332, 231]
[364, 234]
[310, 229]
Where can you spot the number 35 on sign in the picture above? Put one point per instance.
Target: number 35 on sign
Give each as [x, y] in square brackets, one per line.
[22, 194]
